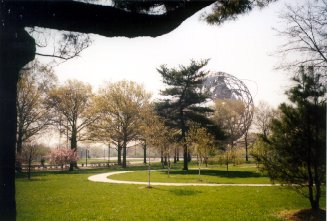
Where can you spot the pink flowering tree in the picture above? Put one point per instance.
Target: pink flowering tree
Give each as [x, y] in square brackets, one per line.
[62, 156]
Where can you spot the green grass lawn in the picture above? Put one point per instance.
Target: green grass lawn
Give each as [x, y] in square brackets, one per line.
[69, 196]
[93, 160]
[237, 174]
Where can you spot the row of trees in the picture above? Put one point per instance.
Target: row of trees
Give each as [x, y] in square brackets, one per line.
[123, 111]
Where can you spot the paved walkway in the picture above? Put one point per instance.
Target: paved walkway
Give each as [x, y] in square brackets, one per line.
[103, 177]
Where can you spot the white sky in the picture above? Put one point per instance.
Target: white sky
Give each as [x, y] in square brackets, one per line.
[241, 48]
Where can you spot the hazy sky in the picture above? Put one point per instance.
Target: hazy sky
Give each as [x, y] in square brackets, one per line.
[242, 48]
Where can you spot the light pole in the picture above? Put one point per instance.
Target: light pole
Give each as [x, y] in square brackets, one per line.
[109, 154]
[86, 153]
[149, 169]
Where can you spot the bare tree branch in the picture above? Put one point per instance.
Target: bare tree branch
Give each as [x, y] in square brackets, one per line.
[306, 35]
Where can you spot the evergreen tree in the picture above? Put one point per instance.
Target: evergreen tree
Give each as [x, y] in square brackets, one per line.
[295, 152]
[183, 100]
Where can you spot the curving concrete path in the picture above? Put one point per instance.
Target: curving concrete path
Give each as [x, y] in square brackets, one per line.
[103, 177]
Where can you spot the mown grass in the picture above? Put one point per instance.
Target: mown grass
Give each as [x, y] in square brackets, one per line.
[69, 196]
[237, 174]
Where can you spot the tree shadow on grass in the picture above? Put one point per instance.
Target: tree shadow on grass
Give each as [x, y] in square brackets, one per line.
[184, 192]
[180, 191]
[219, 173]
[304, 215]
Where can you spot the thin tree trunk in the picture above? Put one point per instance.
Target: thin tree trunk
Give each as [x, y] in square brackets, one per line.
[199, 164]
[144, 152]
[29, 167]
[119, 154]
[175, 155]
[185, 149]
[185, 154]
[316, 154]
[124, 152]
[149, 172]
[317, 186]
[227, 159]
[246, 146]
[310, 182]
[168, 166]
[189, 157]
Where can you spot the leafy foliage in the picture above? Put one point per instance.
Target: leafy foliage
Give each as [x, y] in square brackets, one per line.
[62, 156]
[183, 98]
[295, 153]
[120, 106]
[225, 10]
[201, 143]
[228, 116]
[72, 103]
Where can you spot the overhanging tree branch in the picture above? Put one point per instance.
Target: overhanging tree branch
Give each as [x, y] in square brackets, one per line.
[104, 20]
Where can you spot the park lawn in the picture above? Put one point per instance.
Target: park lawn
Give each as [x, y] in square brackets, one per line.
[240, 174]
[69, 196]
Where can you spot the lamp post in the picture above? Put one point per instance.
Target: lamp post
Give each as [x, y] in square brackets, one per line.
[86, 155]
[109, 154]
[149, 169]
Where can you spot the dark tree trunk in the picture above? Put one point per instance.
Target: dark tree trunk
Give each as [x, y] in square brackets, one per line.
[73, 146]
[189, 157]
[19, 142]
[177, 154]
[185, 157]
[29, 167]
[124, 152]
[185, 149]
[119, 154]
[17, 48]
[246, 146]
[144, 152]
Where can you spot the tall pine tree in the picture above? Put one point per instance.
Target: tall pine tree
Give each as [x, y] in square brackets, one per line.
[295, 152]
[183, 99]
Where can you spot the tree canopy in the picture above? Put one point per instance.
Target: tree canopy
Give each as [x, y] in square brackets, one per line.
[183, 99]
[32, 115]
[72, 103]
[121, 105]
[295, 152]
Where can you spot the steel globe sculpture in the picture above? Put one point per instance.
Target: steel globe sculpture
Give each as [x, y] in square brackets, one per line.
[223, 86]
